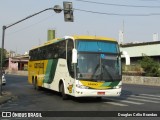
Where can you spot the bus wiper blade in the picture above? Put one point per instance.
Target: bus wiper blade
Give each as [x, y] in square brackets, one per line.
[109, 75]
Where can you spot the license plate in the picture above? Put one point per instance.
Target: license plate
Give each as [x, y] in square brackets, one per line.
[100, 93]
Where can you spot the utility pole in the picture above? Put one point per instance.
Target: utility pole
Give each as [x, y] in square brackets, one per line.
[123, 31]
[121, 34]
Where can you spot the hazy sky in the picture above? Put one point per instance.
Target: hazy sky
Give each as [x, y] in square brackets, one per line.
[32, 32]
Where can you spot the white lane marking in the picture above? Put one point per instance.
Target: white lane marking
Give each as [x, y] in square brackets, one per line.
[14, 104]
[6, 107]
[115, 103]
[150, 95]
[126, 101]
[131, 102]
[144, 100]
[145, 97]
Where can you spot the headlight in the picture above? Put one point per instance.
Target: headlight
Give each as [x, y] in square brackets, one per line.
[81, 86]
[117, 87]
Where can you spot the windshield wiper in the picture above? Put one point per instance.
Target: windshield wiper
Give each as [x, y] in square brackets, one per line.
[95, 73]
[109, 75]
[98, 74]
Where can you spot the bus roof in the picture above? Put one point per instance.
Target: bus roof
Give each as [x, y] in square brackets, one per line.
[76, 37]
[93, 38]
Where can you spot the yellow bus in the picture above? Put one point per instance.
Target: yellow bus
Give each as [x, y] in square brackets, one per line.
[79, 66]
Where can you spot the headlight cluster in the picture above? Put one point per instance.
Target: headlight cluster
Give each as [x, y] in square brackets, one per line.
[81, 86]
[117, 87]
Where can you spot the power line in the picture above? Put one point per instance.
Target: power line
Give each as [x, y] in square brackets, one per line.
[150, 0]
[29, 26]
[116, 14]
[118, 5]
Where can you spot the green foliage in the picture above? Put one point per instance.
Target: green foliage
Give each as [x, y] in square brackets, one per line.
[4, 55]
[151, 67]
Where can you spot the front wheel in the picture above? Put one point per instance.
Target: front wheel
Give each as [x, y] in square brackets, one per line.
[64, 96]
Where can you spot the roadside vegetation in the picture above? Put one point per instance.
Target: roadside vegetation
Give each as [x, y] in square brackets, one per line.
[144, 67]
[150, 67]
[4, 55]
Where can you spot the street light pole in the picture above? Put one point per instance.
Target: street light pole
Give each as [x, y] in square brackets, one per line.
[29, 17]
[3, 35]
[57, 8]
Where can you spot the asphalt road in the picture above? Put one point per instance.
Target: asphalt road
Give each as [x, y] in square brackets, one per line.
[133, 98]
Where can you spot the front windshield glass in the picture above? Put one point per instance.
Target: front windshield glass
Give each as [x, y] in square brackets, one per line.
[104, 65]
[98, 67]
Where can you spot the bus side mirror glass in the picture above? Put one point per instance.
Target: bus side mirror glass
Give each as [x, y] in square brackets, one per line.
[127, 57]
[74, 55]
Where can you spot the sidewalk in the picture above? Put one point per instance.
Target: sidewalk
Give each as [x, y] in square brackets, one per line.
[6, 96]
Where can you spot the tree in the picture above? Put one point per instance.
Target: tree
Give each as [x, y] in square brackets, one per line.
[151, 67]
[4, 55]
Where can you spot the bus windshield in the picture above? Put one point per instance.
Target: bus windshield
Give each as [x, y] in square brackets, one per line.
[99, 64]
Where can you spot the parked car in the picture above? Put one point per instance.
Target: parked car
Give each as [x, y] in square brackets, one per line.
[3, 79]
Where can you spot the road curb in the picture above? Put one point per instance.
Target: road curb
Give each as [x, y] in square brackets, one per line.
[6, 96]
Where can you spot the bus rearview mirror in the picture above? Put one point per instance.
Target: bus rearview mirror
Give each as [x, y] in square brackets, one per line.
[74, 55]
[127, 57]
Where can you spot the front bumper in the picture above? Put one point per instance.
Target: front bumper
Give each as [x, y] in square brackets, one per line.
[97, 93]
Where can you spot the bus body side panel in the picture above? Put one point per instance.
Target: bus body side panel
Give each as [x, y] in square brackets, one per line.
[50, 71]
[60, 73]
[30, 72]
[36, 71]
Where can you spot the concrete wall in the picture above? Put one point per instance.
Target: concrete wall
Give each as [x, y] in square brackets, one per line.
[141, 80]
[23, 73]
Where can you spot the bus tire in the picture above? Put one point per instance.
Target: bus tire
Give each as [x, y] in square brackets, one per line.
[34, 82]
[64, 96]
[36, 87]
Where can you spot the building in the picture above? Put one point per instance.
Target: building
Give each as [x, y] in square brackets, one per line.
[18, 63]
[137, 50]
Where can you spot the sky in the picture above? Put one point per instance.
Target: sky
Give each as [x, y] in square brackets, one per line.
[127, 15]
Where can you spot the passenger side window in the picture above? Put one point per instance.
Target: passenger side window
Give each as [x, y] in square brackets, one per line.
[70, 46]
